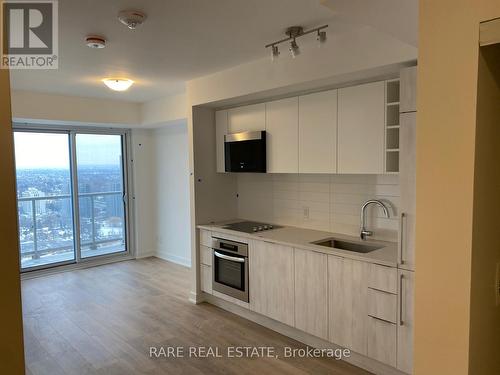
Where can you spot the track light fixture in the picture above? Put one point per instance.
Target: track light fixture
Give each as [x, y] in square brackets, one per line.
[293, 33]
[321, 38]
[275, 52]
[294, 49]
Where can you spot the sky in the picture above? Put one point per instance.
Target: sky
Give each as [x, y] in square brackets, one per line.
[51, 150]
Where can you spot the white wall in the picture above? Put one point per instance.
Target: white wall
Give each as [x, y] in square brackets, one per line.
[333, 201]
[53, 109]
[160, 111]
[170, 179]
[144, 207]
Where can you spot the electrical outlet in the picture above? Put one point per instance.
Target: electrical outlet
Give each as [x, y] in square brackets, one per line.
[497, 284]
[306, 213]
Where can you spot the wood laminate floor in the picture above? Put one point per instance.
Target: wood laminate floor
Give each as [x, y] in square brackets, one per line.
[103, 320]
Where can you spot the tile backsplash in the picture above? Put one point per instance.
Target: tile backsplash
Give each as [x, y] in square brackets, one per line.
[323, 202]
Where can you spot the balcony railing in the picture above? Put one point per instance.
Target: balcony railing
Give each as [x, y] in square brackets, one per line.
[37, 250]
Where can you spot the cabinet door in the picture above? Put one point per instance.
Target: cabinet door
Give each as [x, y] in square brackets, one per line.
[206, 278]
[282, 136]
[271, 281]
[406, 321]
[361, 129]
[247, 118]
[347, 298]
[220, 132]
[407, 182]
[311, 293]
[318, 132]
[408, 89]
[382, 341]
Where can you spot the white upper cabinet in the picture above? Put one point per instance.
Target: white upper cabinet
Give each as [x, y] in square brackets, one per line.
[318, 132]
[220, 132]
[408, 96]
[282, 136]
[361, 129]
[247, 118]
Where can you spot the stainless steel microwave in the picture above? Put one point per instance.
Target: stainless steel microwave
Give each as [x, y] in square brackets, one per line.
[245, 152]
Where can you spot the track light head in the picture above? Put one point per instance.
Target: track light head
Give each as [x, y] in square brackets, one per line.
[275, 52]
[294, 49]
[321, 38]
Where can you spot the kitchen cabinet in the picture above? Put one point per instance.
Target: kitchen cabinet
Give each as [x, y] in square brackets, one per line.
[406, 321]
[206, 278]
[347, 301]
[247, 118]
[407, 183]
[271, 281]
[221, 129]
[282, 136]
[408, 89]
[318, 132]
[361, 129]
[382, 341]
[311, 293]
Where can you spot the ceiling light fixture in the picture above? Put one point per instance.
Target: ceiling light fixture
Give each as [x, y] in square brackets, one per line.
[118, 84]
[275, 52]
[293, 33]
[132, 18]
[294, 49]
[321, 37]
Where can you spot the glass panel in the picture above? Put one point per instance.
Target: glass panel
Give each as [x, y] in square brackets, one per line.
[44, 198]
[100, 194]
[230, 273]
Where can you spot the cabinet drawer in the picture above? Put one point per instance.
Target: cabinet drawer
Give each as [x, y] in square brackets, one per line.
[205, 255]
[382, 341]
[206, 278]
[382, 305]
[205, 237]
[383, 278]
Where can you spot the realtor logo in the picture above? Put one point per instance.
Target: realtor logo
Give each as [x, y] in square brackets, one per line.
[29, 35]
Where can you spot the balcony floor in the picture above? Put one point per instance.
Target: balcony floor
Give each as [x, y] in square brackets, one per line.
[103, 320]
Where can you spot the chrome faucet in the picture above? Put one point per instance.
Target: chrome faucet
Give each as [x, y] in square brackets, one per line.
[364, 232]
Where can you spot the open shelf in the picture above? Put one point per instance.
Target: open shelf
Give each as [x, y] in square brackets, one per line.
[392, 126]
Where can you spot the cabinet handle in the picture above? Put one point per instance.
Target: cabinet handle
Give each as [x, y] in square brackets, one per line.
[401, 235]
[401, 298]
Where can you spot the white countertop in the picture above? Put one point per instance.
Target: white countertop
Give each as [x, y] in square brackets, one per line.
[302, 238]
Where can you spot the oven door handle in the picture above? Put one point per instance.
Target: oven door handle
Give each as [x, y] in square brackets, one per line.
[227, 257]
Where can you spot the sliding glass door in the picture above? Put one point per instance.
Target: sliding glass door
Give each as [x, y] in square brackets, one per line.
[99, 165]
[71, 190]
[44, 195]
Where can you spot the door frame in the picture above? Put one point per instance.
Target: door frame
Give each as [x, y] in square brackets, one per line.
[128, 199]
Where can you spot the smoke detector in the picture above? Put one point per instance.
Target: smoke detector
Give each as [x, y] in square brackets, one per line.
[132, 18]
[95, 41]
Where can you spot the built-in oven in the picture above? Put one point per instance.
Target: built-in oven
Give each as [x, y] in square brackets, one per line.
[230, 268]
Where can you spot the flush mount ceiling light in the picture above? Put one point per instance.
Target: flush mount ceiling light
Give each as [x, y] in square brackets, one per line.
[293, 33]
[118, 84]
[95, 41]
[132, 18]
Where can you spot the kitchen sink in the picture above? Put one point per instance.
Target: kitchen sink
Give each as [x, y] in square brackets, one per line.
[347, 245]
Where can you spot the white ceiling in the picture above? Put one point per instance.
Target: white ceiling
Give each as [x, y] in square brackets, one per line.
[185, 39]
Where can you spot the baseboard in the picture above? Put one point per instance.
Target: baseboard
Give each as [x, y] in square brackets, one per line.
[186, 262]
[145, 254]
[195, 298]
[355, 359]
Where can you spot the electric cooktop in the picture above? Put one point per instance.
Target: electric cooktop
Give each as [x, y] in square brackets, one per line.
[250, 226]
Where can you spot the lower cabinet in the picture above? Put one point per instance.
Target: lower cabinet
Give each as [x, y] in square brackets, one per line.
[206, 278]
[382, 340]
[311, 293]
[406, 321]
[271, 281]
[347, 298]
